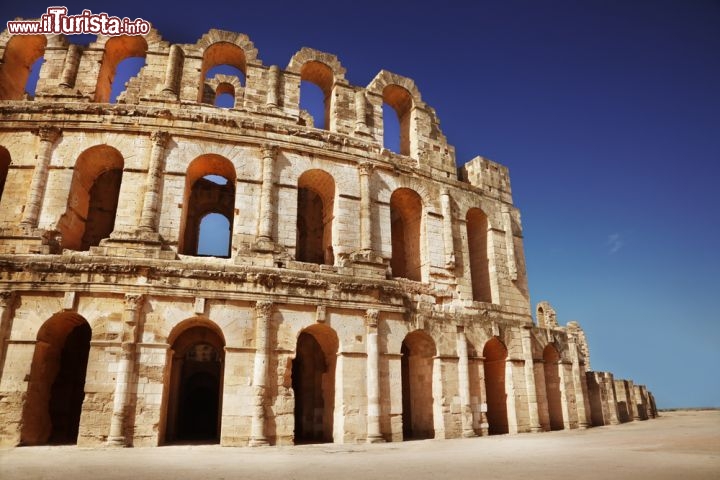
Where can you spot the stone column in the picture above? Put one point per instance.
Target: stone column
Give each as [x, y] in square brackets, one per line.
[577, 376]
[123, 377]
[7, 303]
[267, 202]
[466, 414]
[156, 166]
[48, 137]
[173, 71]
[273, 81]
[263, 314]
[365, 170]
[373, 378]
[360, 112]
[447, 229]
[564, 400]
[70, 68]
[509, 242]
[530, 381]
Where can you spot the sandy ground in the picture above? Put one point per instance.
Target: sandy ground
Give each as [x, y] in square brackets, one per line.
[681, 445]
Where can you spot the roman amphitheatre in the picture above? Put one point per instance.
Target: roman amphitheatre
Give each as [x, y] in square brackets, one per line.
[365, 295]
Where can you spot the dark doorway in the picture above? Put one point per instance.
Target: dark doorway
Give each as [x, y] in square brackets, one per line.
[416, 370]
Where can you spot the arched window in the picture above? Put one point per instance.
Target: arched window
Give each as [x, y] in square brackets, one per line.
[477, 232]
[222, 58]
[225, 95]
[316, 83]
[22, 58]
[92, 203]
[112, 76]
[400, 100]
[4, 167]
[209, 194]
[316, 196]
[406, 228]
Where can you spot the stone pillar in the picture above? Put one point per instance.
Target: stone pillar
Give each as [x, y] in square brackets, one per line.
[530, 381]
[365, 170]
[156, 166]
[360, 112]
[173, 71]
[7, 303]
[48, 137]
[70, 68]
[123, 377]
[564, 398]
[273, 81]
[263, 314]
[447, 229]
[509, 242]
[466, 415]
[267, 202]
[577, 376]
[373, 378]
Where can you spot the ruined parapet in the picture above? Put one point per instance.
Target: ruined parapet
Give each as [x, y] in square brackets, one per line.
[574, 328]
[546, 316]
[489, 176]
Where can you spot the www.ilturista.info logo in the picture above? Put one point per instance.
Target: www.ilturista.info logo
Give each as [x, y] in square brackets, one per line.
[57, 21]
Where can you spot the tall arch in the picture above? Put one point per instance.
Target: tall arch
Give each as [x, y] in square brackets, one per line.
[92, 203]
[551, 365]
[320, 75]
[4, 168]
[117, 49]
[495, 354]
[56, 388]
[313, 383]
[209, 188]
[221, 53]
[401, 102]
[477, 232]
[194, 393]
[406, 232]
[315, 214]
[21, 52]
[416, 369]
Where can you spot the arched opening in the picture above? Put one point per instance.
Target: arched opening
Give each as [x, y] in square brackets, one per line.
[56, 388]
[22, 59]
[495, 355]
[209, 194]
[551, 359]
[222, 58]
[225, 95]
[416, 368]
[118, 49]
[195, 390]
[477, 232]
[405, 231]
[92, 203]
[313, 382]
[316, 197]
[4, 168]
[400, 100]
[316, 83]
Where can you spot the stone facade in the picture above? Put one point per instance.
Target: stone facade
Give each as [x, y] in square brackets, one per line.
[366, 295]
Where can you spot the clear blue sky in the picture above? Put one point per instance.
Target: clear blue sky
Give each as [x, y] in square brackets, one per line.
[607, 113]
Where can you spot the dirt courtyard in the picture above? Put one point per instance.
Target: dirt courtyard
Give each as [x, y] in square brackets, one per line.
[679, 445]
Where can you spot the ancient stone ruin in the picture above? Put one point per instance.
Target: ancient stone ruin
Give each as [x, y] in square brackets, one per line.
[364, 295]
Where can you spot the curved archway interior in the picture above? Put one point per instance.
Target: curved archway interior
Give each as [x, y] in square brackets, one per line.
[552, 366]
[57, 382]
[316, 192]
[222, 58]
[405, 231]
[477, 231]
[195, 391]
[93, 200]
[495, 355]
[416, 370]
[126, 69]
[313, 383]
[4, 168]
[118, 49]
[20, 66]
[396, 128]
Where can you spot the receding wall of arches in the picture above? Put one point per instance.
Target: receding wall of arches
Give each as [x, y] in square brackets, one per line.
[55, 393]
[21, 52]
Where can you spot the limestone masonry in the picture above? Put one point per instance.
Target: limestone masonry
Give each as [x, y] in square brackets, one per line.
[365, 295]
